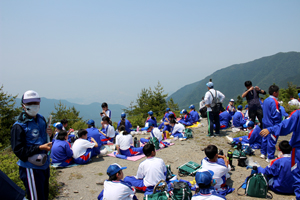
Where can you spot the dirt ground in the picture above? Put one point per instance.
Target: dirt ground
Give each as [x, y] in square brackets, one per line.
[84, 182]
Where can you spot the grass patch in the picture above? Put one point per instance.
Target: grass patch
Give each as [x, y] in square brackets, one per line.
[75, 175]
[100, 174]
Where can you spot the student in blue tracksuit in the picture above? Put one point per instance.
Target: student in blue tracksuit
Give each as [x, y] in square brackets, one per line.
[291, 124]
[94, 133]
[246, 114]
[230, 108]
[238, 120]
[165, 119]
[225, 118]
[194, 114]
[186, 118]
[271, 116]
[58, 127]
[253, 138]
[279, 171]
[109, 134]
[283, 112]
[30, 141]
[151, 119]
[61, 152]
[125, 122]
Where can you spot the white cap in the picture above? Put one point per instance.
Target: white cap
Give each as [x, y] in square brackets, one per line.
[30, 96]
[232, 100]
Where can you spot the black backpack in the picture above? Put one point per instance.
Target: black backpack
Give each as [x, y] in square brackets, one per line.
[216, 103]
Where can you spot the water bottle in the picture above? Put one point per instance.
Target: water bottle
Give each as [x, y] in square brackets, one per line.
[135, 142]
[137, 129]
[138, 143]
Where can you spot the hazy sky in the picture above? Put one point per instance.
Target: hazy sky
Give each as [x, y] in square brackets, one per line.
[95, 51]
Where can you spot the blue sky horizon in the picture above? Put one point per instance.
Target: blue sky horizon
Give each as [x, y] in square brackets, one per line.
[98, 51]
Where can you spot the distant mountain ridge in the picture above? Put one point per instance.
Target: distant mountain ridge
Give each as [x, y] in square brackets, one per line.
[90, 111]
[280, 69]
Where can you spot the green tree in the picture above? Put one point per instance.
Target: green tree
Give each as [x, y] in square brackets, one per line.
[71, 114]
[8, 114]
[147, 100]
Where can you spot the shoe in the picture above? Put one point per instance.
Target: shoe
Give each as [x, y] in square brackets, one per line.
[182, 139]
[262, 156]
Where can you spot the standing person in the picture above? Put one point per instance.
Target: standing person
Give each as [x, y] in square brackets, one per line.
[30, 141]
[212, 115]
[291, 124]
[272, 116]
[105, 112]
[254, 107]
[230, 108]
[94, 133]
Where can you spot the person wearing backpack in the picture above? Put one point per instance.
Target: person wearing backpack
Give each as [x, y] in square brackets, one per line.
[272, 116]
[292, 124]
[213, 98]
[279, 171]
[205, 190]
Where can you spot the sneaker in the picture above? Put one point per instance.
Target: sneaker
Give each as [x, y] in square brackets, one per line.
[262, 156]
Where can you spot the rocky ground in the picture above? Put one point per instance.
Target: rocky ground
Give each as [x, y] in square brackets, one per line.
[84, 182]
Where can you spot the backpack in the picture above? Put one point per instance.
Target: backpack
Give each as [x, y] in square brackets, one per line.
[256, 186]
[189, 168]
[181, 191]
[159, 192]
[155, 142]
[203, 112]
[216, 103]
[188, 133]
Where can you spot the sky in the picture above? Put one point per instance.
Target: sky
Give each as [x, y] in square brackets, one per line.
[96, 51]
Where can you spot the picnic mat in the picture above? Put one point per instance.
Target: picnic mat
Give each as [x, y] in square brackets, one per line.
[134, 158]
[56, 165]
[194, 125]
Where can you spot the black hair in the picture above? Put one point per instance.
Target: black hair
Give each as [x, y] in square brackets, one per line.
[292, 96]
[153, 118]
[104, 104]
[171, 116]
[172, 121]
[90, 126]
[202, 186]
[248, 84]
[202, 98]
[147, 149]
[122, 121]
[82, 132]
[122, 128]
[285, 147]
[61, 135]
[211, 151]
[272, 89]
[106, 118]
[113, 177]
[64, 121]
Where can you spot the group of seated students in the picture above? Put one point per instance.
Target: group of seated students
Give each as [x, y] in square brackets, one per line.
[189, 118]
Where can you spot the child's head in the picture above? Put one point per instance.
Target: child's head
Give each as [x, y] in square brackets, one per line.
[150, 113]
[122, 128]
[105, 120]
[172, 122]
[248, 84]
[91, 123]
[211, 151]
[82, 133]
[285, 147]
[149, 150]
[168, 109]
[240, 107]
[273, 90]
[64, 122]
[171, 116]
[183, 111]
[58, 126]
[192, 107]
[246, 106]
[250, 125]
[104, 106]
[231, 102]
[62, 135]
[115, 172]
[204, 178]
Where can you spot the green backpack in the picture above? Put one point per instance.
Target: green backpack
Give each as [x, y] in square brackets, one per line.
[257, 186]
[155, 142]
[159, 192]
[188, 133]
[189, 168]
[181, 191]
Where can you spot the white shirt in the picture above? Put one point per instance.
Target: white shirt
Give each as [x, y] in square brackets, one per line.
[156, 132]
[178, 128]
[124, 141]
[218, 169]
[202, 104]
[152, 171]
[208, 98]
[80, 146]
[294, 102]
[110, 131]
[115, 190]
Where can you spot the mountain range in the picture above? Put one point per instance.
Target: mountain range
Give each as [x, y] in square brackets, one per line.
[280, 69]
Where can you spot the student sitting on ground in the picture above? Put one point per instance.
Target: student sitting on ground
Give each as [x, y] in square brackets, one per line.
[58, 127]
[109, 135]
[94, 133]
[186, 118]
[61, 152]
[230, 108]
[225, 118]
[124, 143]
[219, 165]
[238, 120]
[150, 171]
[125, 122]
[151, 119]
[194, 114]
[178, 130]
[253, 138]
[82, 148]
[167, 126]
[279, 173]
[115, 187]
[205, 182]
[165, 119]
[154, 132]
